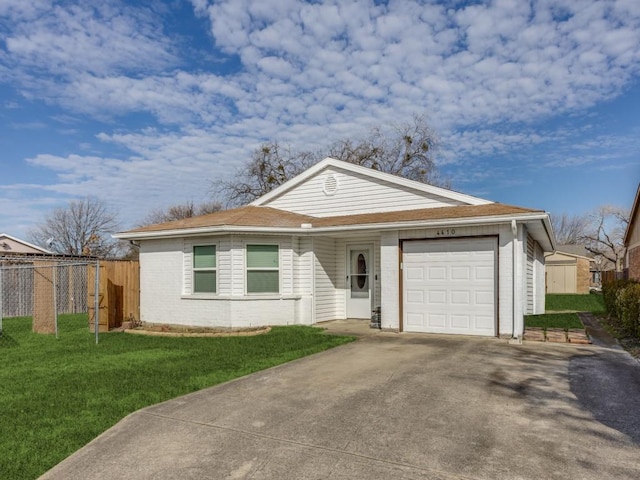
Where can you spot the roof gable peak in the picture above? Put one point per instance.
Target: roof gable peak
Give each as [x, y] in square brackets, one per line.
[395, 180]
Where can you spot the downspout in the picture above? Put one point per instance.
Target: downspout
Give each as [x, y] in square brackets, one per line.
[313, 281]
[514, 230]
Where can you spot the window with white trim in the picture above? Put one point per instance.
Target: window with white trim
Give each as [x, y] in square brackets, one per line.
[204, 269]
[263, 269]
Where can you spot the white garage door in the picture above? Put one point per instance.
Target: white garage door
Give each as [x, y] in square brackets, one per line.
[449, 286]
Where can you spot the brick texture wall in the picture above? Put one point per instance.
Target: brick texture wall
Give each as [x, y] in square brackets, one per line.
[634, 263]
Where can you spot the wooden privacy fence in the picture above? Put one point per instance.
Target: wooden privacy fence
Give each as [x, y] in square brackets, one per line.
[119, 293]
[611, 276]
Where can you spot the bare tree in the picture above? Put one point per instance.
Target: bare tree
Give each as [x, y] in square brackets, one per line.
[270, 166]
[83, 227]
[407, 151]
[605, 234]
[570, 229]
[179, 212]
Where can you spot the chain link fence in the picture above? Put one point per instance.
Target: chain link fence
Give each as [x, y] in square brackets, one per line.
[43, 288]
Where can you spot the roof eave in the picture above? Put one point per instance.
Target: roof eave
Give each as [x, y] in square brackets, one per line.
[200, 231]
[406, 225]
[28, 244]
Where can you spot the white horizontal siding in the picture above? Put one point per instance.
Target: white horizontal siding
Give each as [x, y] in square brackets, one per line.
[286, 266]
[325, 279]
[539, 280]
[237, 266]
[302, 250]
[166, 285]
[355, 194]
[224, 266]
[303, 266]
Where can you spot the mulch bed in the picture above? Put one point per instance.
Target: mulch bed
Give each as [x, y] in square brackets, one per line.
[184, 331]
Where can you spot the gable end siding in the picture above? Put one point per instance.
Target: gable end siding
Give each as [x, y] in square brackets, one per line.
[354, 194]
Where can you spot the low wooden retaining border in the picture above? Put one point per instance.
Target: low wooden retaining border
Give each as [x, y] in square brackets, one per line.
[557, 335]
[237, 333]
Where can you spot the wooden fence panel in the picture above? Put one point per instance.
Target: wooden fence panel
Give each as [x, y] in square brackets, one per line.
[119, 293]
[612, 276]
[44, 312]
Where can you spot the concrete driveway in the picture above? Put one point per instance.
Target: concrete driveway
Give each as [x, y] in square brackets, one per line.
[392, 407]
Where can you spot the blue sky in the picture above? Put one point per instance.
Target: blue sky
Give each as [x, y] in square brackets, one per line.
[147, 104]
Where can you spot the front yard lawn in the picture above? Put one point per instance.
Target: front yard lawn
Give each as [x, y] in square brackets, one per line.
[561, 310]
[58, 394]
[592, 302]
[565, 321]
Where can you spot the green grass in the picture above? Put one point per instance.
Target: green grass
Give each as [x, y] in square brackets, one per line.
[551, 320]
[58, 394]
[561, 310]
[575, 303]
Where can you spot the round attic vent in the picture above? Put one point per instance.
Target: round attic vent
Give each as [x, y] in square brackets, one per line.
[330, 185]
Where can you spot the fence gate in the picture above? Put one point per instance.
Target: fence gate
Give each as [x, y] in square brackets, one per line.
[44, 287]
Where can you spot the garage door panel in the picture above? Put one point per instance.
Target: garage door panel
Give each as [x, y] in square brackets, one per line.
[485, 323]
[415, 273]
[436, 273]
[461, 298]
[458, 285]
[484, 273]
[436, 297]
[460, 273]
[437, 321]
[484, 298]
[415, 319]
[460, 321]
[415, 296]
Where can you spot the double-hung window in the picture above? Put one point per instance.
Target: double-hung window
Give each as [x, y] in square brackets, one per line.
[204, 269]
[263, 269]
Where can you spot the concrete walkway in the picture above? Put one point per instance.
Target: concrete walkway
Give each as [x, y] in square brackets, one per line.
[392, 406]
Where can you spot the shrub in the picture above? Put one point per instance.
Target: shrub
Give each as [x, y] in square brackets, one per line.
[622, 301]
[628, 308]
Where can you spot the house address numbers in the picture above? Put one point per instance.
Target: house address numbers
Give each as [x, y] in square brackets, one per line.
[445, 232]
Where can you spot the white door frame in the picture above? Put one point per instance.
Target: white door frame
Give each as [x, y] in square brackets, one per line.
[360, 307]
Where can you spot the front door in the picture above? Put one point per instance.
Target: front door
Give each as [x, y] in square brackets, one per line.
[359, 278]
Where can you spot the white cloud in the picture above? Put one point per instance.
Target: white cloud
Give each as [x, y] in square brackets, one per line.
[99, 38]
[507, 60]
[307, 74]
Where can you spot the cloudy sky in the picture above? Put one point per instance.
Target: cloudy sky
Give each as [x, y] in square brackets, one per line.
[147, 104]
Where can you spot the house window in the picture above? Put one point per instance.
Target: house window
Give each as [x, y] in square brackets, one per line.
[204, 269]
[263, 273]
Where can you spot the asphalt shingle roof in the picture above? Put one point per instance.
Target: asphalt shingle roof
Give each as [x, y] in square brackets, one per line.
[267, 217]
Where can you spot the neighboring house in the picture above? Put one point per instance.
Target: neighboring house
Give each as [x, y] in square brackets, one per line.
[632, 240]
[11, 245]
[339, 240]
[569, 270]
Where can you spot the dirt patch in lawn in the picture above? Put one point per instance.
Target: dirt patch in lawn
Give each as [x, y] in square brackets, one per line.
[184, 331]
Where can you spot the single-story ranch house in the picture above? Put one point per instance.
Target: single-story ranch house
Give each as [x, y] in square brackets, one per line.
[340, 240]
